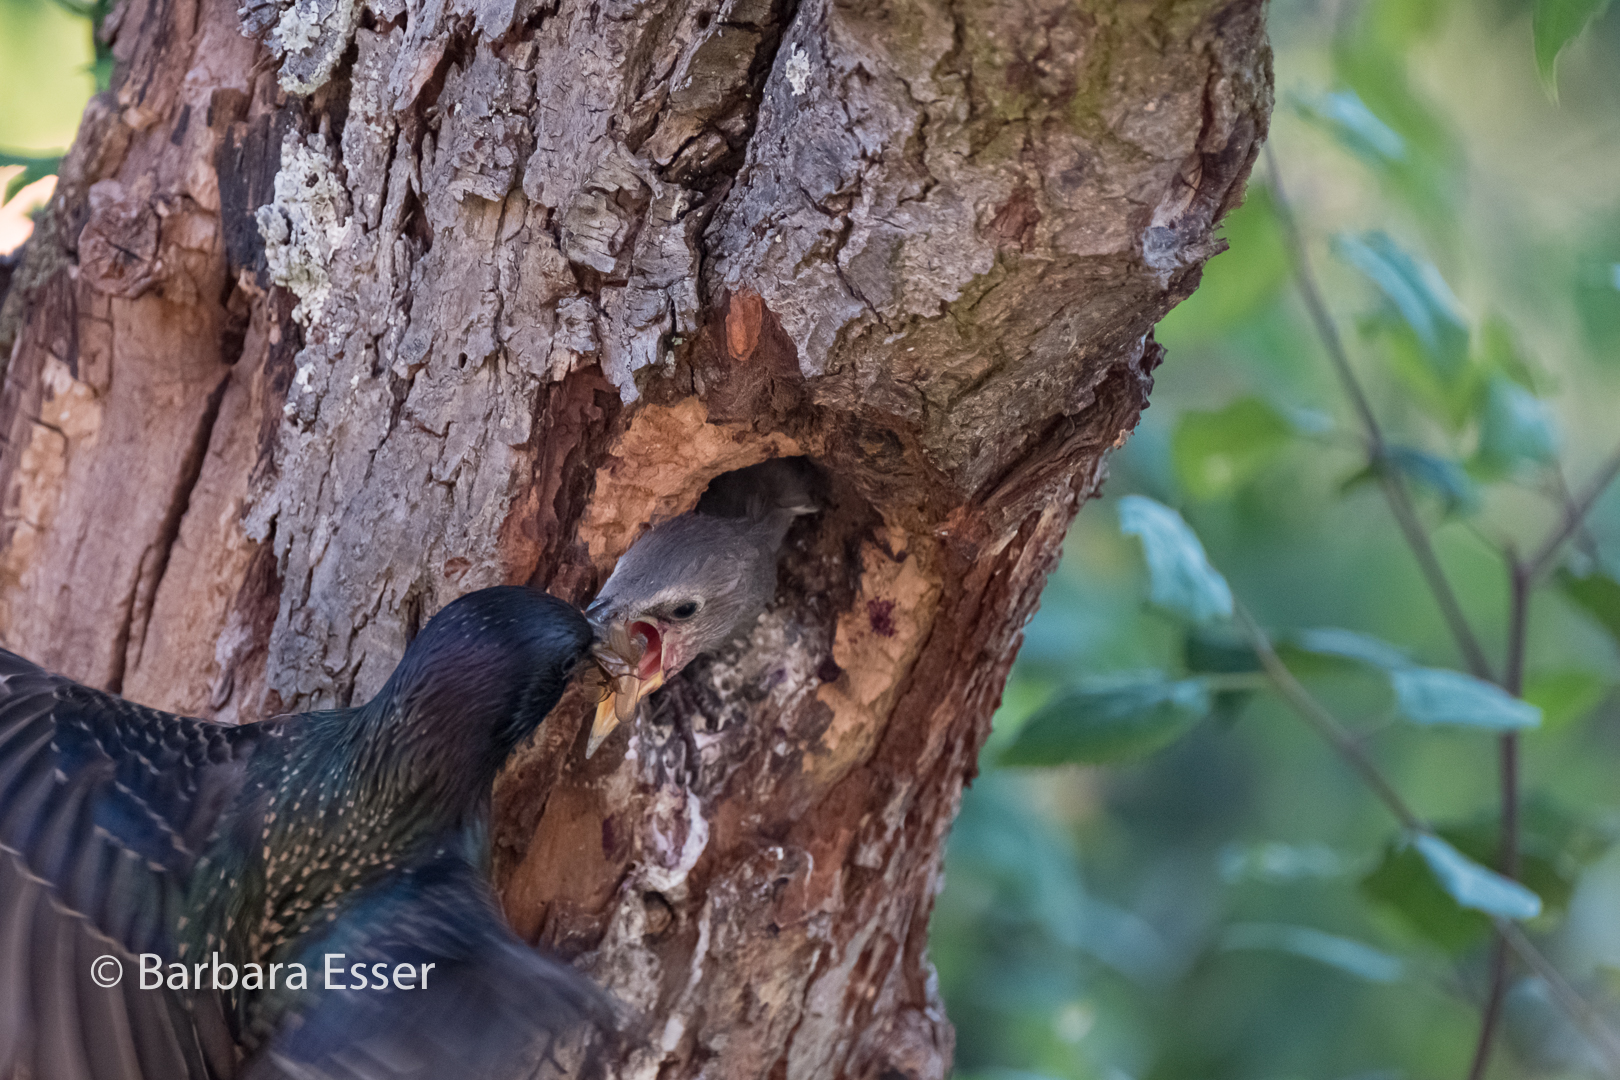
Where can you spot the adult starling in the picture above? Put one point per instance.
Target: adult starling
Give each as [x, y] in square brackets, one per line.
[231, 856]
[692, 583]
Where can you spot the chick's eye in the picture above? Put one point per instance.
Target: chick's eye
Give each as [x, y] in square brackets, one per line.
[685, 609]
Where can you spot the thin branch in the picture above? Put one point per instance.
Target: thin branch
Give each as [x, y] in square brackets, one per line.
[1325, 723]
[1575, 512]
[1400, 500]
[1582, 537]
[1508, 851]
[1513, 682]
[1491, 1015]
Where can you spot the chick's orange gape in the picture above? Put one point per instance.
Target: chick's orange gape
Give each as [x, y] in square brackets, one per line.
[628, 668]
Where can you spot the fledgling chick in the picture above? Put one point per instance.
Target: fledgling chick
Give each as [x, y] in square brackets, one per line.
[693, 583]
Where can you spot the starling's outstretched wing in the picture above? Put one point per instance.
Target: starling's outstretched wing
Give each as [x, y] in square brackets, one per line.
[487, 1007]
[103, 805]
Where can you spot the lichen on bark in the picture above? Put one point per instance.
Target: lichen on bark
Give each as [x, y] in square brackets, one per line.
[304, 226]
[308, 37]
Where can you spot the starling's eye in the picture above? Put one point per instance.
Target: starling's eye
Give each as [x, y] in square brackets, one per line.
[684, 610]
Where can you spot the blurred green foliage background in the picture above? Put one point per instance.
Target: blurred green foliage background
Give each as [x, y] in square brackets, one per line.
[1211, 893]
[1233, 905]
[46, 60]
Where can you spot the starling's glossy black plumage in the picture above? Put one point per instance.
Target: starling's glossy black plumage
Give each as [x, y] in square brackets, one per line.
[124, 830]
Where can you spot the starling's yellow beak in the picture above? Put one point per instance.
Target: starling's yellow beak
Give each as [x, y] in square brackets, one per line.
[628, 658]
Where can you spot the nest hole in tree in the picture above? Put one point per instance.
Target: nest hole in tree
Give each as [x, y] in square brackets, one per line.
[818, 578]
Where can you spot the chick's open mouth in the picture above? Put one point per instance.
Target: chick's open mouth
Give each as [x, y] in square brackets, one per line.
[629, 657]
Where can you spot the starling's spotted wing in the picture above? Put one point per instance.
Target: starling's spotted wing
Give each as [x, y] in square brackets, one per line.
[491, 1008]
[103, 805]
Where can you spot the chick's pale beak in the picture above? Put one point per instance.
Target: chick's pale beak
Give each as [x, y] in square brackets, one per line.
[630, 657]
[618, 706]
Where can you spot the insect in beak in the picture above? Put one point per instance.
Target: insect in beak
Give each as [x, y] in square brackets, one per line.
[630, 660]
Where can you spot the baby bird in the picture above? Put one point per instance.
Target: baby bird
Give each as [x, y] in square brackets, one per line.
[693, 583]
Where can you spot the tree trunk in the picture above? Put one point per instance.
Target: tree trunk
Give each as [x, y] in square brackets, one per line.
[328, 325]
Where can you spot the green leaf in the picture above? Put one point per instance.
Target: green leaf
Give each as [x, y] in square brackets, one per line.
[1180, 578]
[1516, 427]
[1554, 847]
[1350, 956]
[1441, 477]
[1346, 117]
[1402, 882]
[1110, 719]
[1596, 593]
[1555, 24]
[1349, 645]
[1417, 291]
[101, 70]
[1431, 696]
[1219, 653]
[1444, 478]
[1472, 885]
[1500, 353]
[1426, 696]
[1565, 696]
[1216, 653]
[1275, 863]
[1451, 398]
[1217, 452]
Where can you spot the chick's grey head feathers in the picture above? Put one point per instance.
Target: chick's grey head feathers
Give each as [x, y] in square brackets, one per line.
[690, 584]
[698, 580]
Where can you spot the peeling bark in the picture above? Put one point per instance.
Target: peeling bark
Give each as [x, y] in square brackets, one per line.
[344, 309]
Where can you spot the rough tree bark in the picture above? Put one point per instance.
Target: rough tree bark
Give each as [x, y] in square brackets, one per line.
[343, 309]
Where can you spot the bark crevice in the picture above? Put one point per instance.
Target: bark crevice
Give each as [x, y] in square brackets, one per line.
[155, 563]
